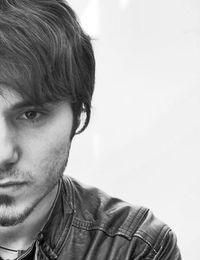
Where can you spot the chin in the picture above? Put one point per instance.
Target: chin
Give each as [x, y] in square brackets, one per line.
[11, 218]
[12, 214]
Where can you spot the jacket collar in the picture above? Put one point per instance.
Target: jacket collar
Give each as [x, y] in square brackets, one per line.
[52, 236]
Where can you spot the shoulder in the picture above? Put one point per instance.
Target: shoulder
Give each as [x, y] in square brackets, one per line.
[96, 210]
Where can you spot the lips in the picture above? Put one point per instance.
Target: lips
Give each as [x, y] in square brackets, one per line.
[11, 184]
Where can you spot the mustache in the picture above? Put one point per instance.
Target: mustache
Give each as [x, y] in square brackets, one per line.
[15, 173]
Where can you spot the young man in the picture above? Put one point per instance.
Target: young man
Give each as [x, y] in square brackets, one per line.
[46, 82]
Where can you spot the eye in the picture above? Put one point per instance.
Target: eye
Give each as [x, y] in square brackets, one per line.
[31, 115]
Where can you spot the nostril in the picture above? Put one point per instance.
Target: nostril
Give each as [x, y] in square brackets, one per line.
[5, 167]
[7, 162]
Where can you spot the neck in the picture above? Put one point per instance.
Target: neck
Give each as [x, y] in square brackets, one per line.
[21, 236]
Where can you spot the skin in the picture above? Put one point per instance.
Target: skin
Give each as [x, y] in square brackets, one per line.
[34, 148]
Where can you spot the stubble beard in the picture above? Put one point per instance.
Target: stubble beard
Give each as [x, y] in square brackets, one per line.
[8, 203]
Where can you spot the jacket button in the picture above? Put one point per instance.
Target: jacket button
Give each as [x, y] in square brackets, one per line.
[40, 236]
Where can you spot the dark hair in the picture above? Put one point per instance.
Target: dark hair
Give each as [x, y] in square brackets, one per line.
[45, 54]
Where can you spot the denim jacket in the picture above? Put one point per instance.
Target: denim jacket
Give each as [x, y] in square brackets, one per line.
[87, 224]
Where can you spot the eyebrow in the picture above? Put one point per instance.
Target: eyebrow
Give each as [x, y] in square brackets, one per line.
[24, 104]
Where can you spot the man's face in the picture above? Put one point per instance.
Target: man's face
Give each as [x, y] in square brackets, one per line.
[34, 147]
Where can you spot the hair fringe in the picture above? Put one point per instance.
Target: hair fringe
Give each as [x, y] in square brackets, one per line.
[45, 55]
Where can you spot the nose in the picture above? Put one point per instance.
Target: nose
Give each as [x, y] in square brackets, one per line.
[8, 150]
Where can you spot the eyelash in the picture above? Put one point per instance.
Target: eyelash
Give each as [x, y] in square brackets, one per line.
[38, 117]
[35, 118]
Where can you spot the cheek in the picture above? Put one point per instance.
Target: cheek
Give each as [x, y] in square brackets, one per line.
[40, 150]
[46, 165]
[45, 146]
[54, 159]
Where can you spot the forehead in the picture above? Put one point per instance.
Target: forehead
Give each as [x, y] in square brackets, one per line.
[9, 96]
[10, 99]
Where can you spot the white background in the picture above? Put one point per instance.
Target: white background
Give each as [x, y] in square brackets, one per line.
[143, 142]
